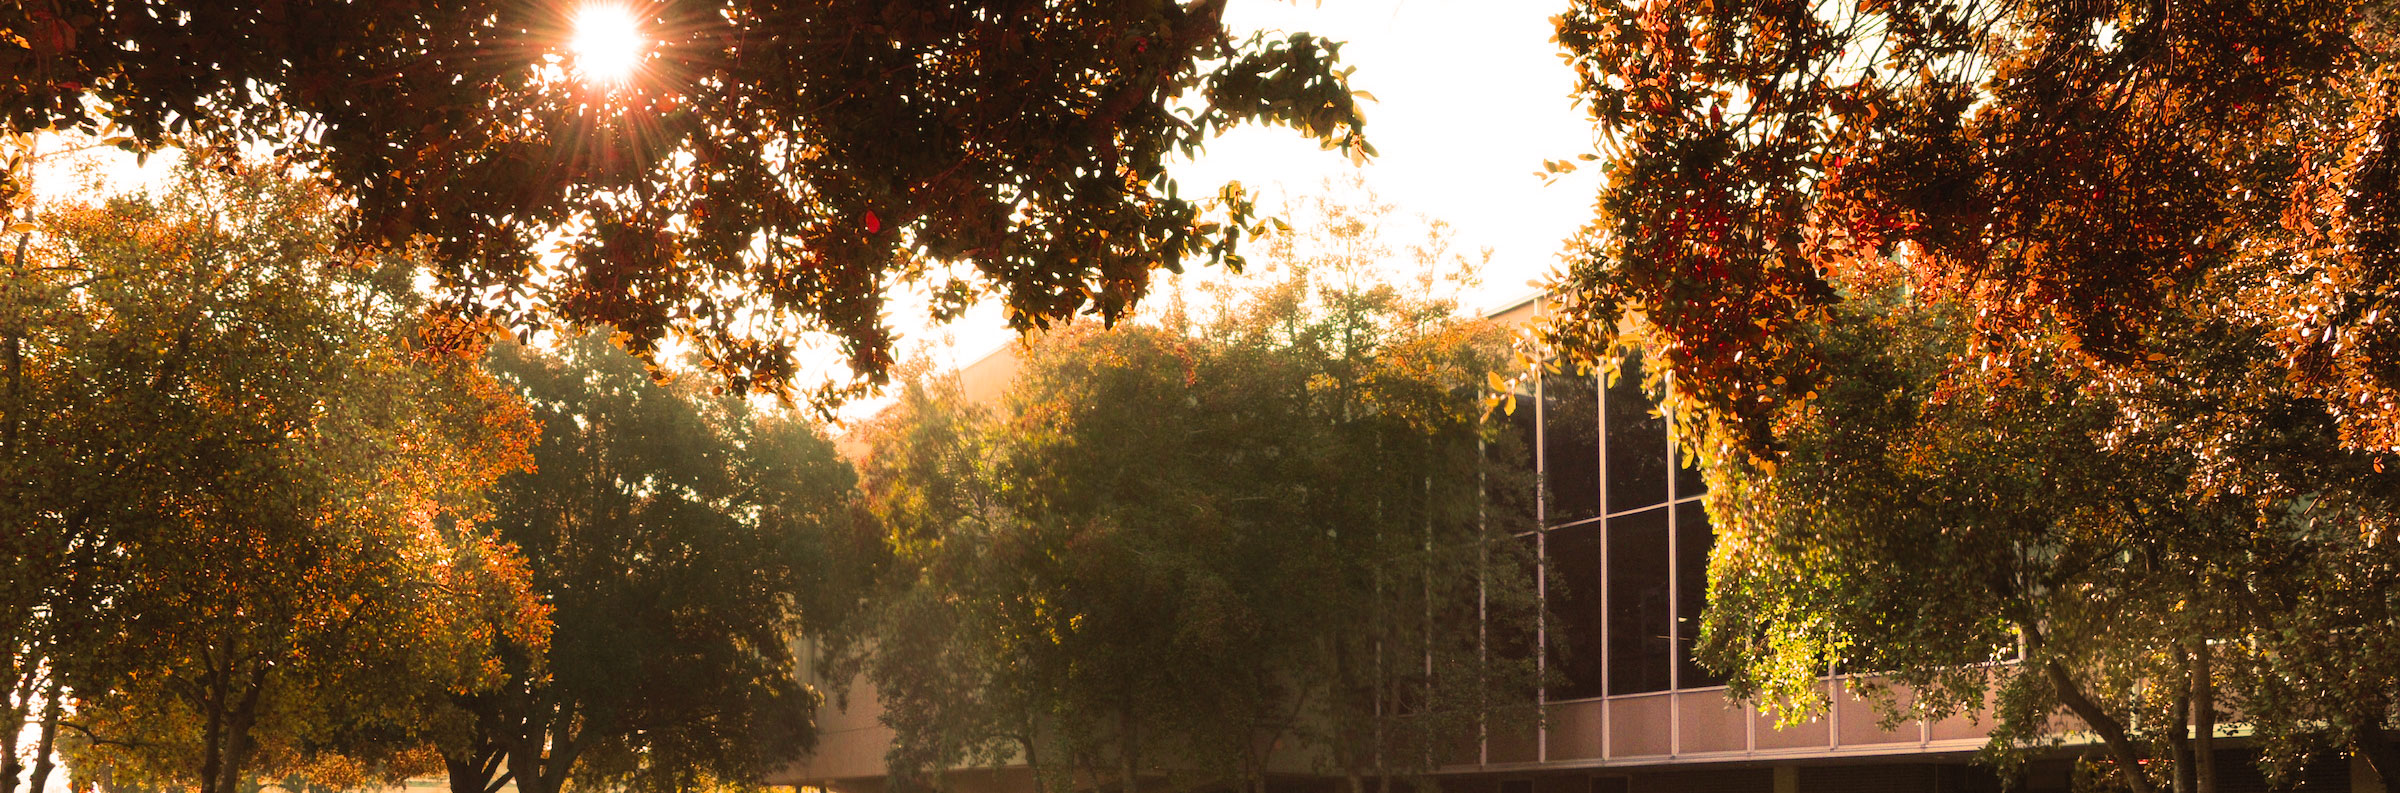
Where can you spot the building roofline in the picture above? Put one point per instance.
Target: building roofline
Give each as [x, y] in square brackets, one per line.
[1512, 305]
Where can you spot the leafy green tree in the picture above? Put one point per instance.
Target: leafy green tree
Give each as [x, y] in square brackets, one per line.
[681, 540]
[2060, 322]
[241, 496]
[770, 167]
[1920, 522]
[1927, 520]
[1182, 550]
[948, 679]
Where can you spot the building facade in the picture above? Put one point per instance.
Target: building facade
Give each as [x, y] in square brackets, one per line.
[1625, 544]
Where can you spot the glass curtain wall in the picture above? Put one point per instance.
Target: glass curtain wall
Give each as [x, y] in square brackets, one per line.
[1624, 541]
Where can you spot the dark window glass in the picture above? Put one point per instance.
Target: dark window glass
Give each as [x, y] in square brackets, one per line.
[1514, 641]
[1574, 590]
[1637, 444]
[1570, 446]
[1509, 484]
[1611, 784]
[1688, 482]
[1640, 640]
[1693, 538]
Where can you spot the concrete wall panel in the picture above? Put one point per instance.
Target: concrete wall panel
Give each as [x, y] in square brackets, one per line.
[1640, 726]
[1711, 723]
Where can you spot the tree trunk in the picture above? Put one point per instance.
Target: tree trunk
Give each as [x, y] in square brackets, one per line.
[225, 735]
[212, 724]
[527, 769]
[525, 763]
[546, 751]
[474, 775]
[2112, 733]
[1127, 748]
[2204, 719]
[10, 769]
[463, 774]
[43, 752]
[238, 744]
[2179, 743]
[2374, 743]
[19, 701]
[1033, 765]
[2179, 738]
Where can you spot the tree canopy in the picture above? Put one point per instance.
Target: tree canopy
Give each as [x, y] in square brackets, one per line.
[2073, 169]
[2056, 333]
[682, 541]
[242, 496]
[2005, 537]
[770, 168]
[1187, 549]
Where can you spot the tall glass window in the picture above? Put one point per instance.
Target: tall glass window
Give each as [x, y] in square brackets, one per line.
[1637, 444]
[1625, 540]
[1693, 540]
[1576, 654]
[1640, 636]
[1570, 447]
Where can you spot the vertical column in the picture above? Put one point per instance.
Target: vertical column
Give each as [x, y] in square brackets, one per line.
[1541, 568]
[1608, 710]
[1675, 645]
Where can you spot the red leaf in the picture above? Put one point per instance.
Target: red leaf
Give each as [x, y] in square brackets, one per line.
[874, 224]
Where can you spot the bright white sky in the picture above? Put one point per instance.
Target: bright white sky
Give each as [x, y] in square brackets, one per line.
[1471, 97]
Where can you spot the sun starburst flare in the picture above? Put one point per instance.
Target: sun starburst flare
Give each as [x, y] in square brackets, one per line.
[608, 44]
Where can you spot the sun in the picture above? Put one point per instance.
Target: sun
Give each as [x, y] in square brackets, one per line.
[608, 43]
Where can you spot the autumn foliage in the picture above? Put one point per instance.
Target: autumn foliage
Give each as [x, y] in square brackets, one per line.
[2041, 352]
[769, 169]
[2072, 168]
[242, 501]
